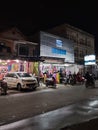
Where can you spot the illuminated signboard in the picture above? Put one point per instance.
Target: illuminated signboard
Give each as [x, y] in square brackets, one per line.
[58, 51]
[89, 60]
[59, 43]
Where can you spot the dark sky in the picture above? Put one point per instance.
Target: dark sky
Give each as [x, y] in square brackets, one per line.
[32, 16]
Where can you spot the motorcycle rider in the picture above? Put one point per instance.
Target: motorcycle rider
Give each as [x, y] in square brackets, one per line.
[87, 75]
[4, 87]
[89, 79]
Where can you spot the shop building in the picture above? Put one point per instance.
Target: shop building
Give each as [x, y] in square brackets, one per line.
[57, 53]
[84, 42]
[17, 53]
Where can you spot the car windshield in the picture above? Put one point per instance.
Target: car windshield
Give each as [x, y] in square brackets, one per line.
[24, 75]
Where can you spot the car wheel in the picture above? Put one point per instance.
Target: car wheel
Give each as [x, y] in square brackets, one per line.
[19, 87]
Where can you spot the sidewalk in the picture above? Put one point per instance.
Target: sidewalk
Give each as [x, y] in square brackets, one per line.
[43, 86]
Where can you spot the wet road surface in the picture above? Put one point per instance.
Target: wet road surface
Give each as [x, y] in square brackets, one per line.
[83, 108]
[65, 117]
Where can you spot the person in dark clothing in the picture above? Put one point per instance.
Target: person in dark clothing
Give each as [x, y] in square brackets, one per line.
[54, 80]
[51, 82]
[4, 87]
[87, 76]
[89, 79]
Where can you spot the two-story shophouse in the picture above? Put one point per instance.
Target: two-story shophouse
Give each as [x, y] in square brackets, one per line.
[16, 52]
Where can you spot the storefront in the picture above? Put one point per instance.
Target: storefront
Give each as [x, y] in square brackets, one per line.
[17, 65]
[57, 52]
[50, 69]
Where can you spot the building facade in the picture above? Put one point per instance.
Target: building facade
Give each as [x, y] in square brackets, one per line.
[16, 52]
[84, 43]
[13, 44]
[57, 52]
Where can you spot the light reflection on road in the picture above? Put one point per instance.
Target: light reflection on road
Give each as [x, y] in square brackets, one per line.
[54, 120]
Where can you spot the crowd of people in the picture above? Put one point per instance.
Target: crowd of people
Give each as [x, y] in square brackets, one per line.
[69, 78]
[64, 77]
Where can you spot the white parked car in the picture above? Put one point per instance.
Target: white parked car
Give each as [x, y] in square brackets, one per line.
[20, 80]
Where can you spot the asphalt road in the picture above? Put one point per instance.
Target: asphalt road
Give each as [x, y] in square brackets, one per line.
[19, 106]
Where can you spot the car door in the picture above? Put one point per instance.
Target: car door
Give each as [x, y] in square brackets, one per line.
[13, 79]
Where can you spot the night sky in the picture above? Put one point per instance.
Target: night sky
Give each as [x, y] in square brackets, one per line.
[33, 16]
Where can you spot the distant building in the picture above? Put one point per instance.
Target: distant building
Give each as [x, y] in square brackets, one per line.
[84, 43]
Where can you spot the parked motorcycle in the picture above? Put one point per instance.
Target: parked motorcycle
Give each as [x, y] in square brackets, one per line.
[51, 82]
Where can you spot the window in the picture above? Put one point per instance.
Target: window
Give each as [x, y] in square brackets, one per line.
[23, 50]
